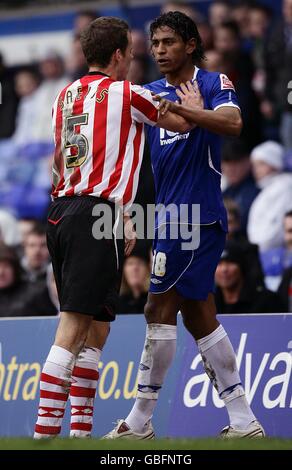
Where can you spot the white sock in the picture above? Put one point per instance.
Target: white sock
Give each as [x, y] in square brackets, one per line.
[55, 383]
[157, 356]
[220, 365]
[82, 392]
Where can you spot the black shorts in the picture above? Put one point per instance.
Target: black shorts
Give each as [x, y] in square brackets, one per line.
[87, 270]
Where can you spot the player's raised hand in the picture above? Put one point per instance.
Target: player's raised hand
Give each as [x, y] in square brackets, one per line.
[190, 95]
[164, 105]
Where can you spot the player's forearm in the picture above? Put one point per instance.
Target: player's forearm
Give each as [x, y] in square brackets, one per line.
[174, 122]
[212, 121]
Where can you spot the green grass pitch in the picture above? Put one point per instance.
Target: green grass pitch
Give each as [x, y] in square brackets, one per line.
[158, 444]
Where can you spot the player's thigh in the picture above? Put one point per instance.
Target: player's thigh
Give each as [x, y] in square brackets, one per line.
[90, 271]
[163, 308]
[56, 258]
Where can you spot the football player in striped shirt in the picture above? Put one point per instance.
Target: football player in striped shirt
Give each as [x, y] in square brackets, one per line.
[187, 172]
[98, 124]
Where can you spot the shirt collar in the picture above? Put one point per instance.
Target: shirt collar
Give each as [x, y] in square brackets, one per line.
[194, 77]
[96, 72]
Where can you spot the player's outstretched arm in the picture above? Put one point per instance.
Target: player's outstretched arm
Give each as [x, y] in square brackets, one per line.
[224, 121]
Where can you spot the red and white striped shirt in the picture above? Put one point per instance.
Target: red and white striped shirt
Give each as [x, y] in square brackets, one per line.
[98, 127]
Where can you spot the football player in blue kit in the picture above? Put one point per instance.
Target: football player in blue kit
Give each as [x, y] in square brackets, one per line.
[187, 174]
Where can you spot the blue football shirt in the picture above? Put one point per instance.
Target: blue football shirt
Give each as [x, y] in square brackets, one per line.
[187, 167]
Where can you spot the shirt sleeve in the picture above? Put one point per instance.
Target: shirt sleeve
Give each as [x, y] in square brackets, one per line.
[143, 107]
[223, 93]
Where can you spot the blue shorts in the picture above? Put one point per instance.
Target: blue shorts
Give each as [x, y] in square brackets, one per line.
[190, 271]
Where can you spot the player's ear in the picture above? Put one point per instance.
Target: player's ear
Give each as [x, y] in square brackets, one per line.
[118, 55]
[191, 46]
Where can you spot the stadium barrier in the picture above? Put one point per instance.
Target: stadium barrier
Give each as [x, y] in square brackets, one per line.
[187, 405]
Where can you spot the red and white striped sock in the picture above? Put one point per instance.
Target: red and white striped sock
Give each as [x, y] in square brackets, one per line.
[55, 384]
[82, 392]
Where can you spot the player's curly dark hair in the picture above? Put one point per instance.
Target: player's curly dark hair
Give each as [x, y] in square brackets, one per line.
[184, 27]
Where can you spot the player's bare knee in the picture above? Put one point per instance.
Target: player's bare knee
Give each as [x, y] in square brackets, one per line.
[190, 325]
[98, 334]
[71, 343]
[102, 337]
[159, 313]
[71, 335]
[151, 312]
[79, 345]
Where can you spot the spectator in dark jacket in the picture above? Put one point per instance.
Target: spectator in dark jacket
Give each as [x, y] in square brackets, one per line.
[36, 256]
[14, 293]
[285, 290]
[276, 106]
[236, 293]
[239, 68]
[240, 184]
[8, 104]
[44, 301]
[135, 283]
[250, 250]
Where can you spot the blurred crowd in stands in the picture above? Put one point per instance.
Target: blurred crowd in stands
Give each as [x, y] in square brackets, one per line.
[253, 46]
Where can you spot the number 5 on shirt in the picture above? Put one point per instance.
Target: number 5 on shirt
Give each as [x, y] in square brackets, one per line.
[75, 141]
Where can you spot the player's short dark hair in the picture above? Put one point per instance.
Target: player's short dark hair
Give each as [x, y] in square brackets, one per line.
[102, 38]
[184, 27]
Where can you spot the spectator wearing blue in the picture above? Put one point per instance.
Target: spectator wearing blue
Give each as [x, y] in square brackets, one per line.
[276, 260]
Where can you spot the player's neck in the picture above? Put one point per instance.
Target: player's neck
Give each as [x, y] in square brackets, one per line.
[180, 76]
[109, 70]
